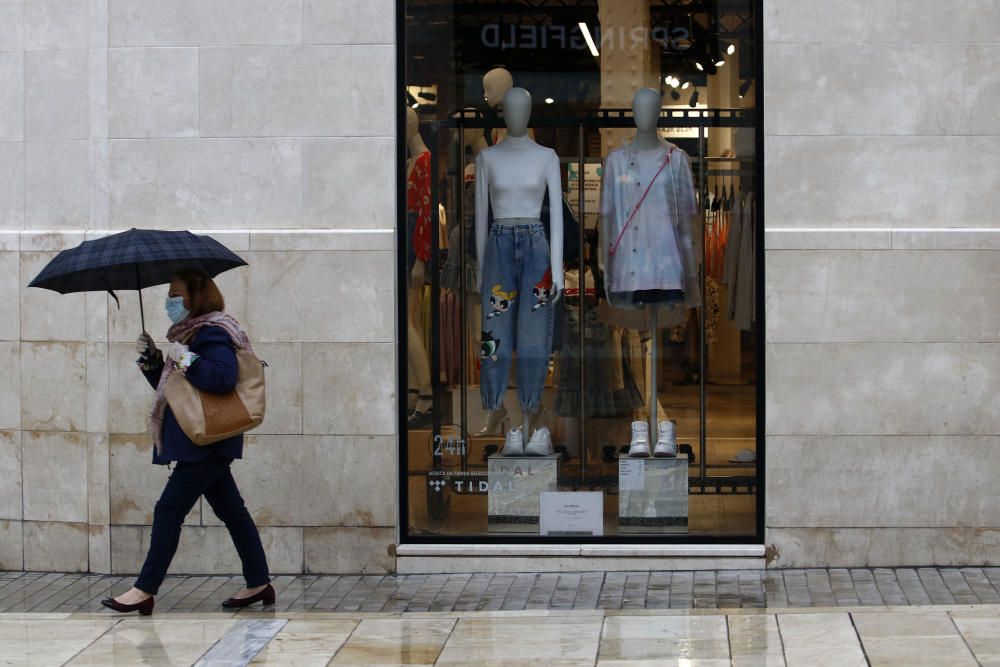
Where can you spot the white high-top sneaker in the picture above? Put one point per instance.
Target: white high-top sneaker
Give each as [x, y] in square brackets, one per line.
[514, 443]
[666, 442]
[540, 443]
[640, 440]
[495, 420]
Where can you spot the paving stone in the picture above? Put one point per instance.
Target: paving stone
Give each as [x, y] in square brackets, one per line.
[613, 591]
[865, 587]
[681, 590]
[636, 584]
[842, 585]
[955, 581]
[445, 600]
[517, 595]
[589, 593]
[774, 589]
[980, 585]
[912, 586]
[473, 592]
[935, 586]
[889, 588]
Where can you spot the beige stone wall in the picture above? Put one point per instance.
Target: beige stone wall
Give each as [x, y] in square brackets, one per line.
[270, 124]
[883, 326]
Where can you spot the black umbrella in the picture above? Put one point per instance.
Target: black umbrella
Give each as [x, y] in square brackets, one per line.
[133, 260]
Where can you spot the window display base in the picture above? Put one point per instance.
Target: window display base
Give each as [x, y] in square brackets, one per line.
[515, 483]
[653, 495]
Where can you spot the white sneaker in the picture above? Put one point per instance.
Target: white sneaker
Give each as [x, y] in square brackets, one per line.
[494, 422]
[540, 443]
[666, 443]
[640, 440]
[514, 443]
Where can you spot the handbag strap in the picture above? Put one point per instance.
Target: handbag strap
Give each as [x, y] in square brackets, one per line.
[614, 247]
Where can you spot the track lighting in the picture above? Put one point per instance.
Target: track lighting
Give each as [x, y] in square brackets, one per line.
[744, 87]
[549, 100]
[687, 84]
[694, 100]
[731, 49]
[674, 95]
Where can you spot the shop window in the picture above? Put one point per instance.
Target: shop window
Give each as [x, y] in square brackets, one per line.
[580, 263]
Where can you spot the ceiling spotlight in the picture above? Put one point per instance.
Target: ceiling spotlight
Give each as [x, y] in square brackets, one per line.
[720, 62]
[674, 95]
[415, 105]
[694, 100]
[731, 50]
[744, 87]
[674, 82]
[687, 84]
[699, 66]
[549, 100]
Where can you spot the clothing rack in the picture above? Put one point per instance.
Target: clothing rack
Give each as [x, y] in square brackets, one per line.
[702, 119]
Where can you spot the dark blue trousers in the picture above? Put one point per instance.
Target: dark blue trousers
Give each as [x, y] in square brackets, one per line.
[211, 478]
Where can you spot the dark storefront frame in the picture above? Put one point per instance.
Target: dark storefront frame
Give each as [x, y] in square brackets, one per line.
[401, 333]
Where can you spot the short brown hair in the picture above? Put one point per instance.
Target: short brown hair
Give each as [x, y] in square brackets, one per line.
[203, 294]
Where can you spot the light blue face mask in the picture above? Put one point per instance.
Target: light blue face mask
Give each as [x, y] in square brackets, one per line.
[175, 309]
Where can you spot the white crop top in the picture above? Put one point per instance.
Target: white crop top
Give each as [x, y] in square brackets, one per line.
[512, 177]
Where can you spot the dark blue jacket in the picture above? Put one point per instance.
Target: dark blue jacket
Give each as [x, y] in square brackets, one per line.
[214, 372]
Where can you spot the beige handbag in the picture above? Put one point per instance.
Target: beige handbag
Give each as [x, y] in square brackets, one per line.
[208, 418]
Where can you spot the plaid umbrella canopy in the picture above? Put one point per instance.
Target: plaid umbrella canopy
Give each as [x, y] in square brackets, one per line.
[133, 260]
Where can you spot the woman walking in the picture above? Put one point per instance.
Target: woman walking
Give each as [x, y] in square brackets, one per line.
[208, 361]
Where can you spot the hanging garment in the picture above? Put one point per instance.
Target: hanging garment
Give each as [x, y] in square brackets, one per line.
[746, 275]
[418, 207]
[451, 273]
[517, 313]
[647, 204]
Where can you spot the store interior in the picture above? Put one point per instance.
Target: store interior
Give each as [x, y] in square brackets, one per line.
[582, 64]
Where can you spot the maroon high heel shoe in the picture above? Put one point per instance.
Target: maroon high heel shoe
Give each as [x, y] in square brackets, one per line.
[266, 596]
[145, 608]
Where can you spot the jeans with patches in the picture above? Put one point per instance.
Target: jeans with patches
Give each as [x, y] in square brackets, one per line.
[517, 312]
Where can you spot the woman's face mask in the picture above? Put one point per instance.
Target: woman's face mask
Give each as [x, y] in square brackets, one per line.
[175, 309]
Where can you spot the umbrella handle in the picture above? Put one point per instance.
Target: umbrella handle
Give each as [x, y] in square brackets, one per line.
[138, 287]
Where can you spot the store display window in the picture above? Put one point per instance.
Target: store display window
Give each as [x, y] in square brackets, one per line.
[580, 266]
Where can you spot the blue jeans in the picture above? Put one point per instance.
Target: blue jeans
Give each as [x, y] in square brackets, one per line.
[517, 312]
[211, 478]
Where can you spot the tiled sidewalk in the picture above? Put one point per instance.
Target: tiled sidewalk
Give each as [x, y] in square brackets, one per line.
[904, 636]
[68, 593]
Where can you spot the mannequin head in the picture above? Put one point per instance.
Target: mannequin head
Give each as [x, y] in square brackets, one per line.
[412, 123]
[496, 83]
[646, 109]
[517, 111]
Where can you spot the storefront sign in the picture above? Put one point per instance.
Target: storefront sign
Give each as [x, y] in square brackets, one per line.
[505, 36]
[571, 513]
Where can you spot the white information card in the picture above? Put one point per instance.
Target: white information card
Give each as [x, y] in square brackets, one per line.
[631, 474]
[571, 513]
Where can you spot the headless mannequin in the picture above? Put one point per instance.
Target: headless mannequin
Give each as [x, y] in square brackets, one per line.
[420, 368]
[515, 156]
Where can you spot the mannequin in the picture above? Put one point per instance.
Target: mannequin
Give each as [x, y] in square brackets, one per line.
[520, 270]
[418, 207]
[647, 248]
[496, 83]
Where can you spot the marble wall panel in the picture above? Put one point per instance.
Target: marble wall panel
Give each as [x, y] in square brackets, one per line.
[981, 90]
[11, 25]
[130, 396]
[153, 92]
[98, 503]
[349, 182]
[878, 89]
[884, 21]
[349, 388]
[883, 389]
[12, 101]
[48, 315]
[10, 296]
[337, 550]
[96, 307]
[322, 296]
[135, 484]
[349, 22]
[11, 185]
[11, 503]
[56, 94]
[56, 24]
[11, 545]
[57, 184]
[315, 481]
[284, 387]
[53, 386]
[882, 481]
[97, 387]
[54, 546]
[297, 91]
[876, 296]
[204, 22]
[206, 550]
[926, 181]
[205, 183]
[885, 547]
[10, 385]
[54, 470]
